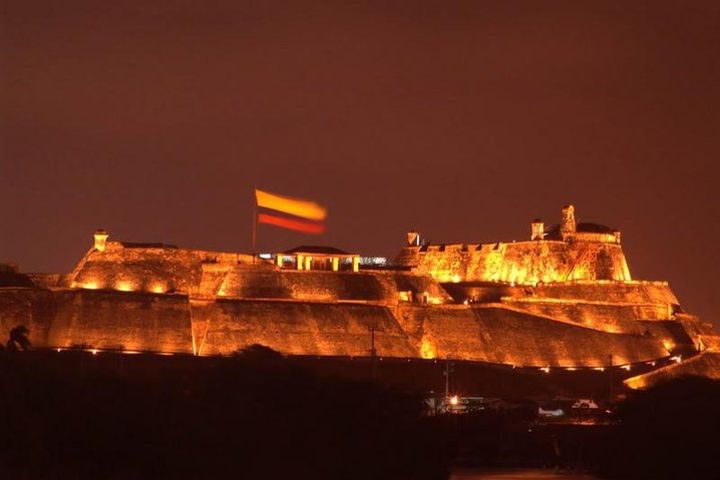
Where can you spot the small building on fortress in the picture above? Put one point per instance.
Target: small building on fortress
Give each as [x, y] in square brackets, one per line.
[564, 298]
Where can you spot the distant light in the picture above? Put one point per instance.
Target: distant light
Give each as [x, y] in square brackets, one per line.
[94, 351]
[265, 256]
[626, 367]
[545, 369]
[454, 400]
[371, 261]
[59, 350]
[599, 369]
[676, 358]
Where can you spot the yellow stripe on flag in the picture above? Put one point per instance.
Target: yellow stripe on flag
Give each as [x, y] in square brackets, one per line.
[292, 206]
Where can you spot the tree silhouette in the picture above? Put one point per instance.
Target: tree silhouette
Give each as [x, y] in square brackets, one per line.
[258, 352]
[18, 339]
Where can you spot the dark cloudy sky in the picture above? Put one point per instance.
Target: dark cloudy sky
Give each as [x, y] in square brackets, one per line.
[464, 120]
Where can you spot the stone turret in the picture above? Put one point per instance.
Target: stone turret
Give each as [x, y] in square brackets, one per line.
[537, 228]
[100, 237]
[568, 225]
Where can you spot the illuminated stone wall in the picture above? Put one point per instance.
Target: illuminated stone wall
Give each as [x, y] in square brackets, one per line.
[148, 269]
[225, 275]
[300, 328]
[706, 365]
[611, 318]
[610, 306]
[175, 323]
[267, 281]
[605, 291]
[98, 319]
[524, 263]
[143, 297]
[635, 292]
[121, 321]
[498, 335]
[32, 307]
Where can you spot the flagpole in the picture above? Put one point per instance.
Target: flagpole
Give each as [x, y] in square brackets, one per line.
[254, 231]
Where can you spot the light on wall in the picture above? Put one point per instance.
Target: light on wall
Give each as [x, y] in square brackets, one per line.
[124, 286]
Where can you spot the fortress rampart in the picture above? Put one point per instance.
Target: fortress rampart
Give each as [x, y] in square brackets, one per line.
[523, 263]
[563, 253]
[563, 299]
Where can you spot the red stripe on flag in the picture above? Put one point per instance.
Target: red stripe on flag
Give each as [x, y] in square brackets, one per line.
[299, 225]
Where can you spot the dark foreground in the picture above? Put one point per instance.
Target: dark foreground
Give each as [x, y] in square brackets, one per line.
[259, 415]
[78, 415]
[517, 474]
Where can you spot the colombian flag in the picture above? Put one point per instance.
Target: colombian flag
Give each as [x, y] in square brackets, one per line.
[292, 213]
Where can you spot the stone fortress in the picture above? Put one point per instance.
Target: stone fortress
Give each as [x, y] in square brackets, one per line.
[563, 299]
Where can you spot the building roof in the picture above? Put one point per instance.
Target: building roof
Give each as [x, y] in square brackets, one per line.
[317, 250]
[14, 279]
[594, 228]
[582, 227]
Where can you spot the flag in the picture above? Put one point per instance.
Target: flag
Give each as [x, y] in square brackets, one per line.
[292, 213]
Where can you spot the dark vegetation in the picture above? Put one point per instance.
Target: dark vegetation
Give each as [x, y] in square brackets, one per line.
[259, 414]
[668, 432]
[113, 416]
[18, 339]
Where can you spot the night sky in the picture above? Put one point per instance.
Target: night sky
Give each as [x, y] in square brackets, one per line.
[155, 120]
